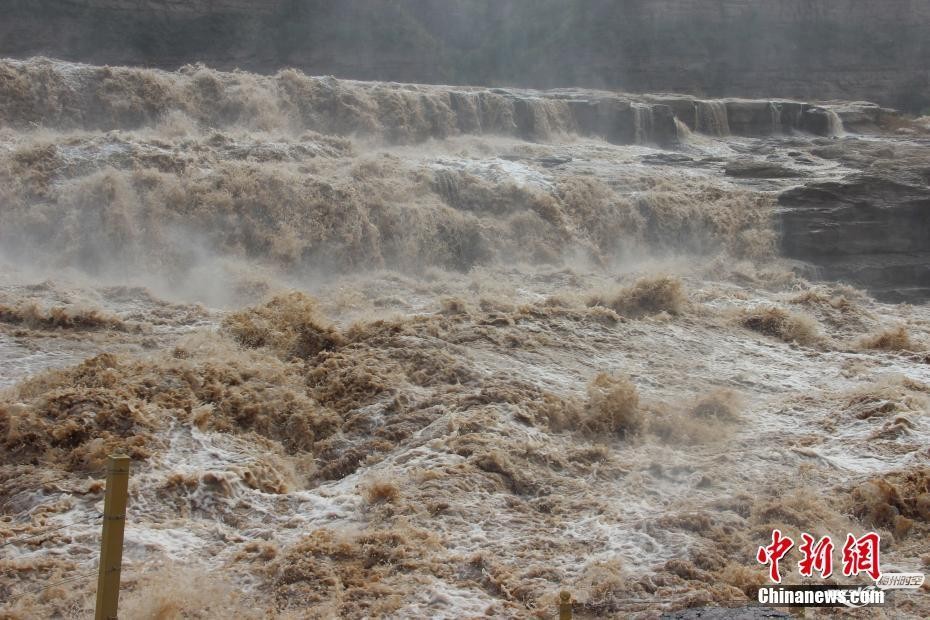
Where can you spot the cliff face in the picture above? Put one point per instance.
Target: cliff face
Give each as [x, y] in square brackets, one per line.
[808, 49]
[871, 227]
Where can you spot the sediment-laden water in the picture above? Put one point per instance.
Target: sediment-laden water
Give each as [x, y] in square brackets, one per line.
[374, 355]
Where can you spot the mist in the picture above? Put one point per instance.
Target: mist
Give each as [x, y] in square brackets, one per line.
[806, 49]
[439, 309]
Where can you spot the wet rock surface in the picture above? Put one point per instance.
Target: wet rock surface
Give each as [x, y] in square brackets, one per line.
[756, 169]
[871, 227]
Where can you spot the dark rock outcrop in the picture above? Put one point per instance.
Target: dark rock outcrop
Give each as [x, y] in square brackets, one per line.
[864, 117]
[761, 169]
[871, 229]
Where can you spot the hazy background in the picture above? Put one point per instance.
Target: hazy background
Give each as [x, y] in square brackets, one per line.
[813, 49]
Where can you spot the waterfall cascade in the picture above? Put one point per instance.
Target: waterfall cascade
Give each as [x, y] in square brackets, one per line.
[775, 111]
[643, 121]
[682, 130]
[835, 124]
[712, 118]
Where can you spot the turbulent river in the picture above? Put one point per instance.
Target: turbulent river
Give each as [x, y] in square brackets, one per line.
[371, 359]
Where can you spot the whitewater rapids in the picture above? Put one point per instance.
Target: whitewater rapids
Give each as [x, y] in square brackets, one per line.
[426, 369]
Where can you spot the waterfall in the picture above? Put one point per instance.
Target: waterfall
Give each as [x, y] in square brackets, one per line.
[835, 124]
[712, 118]
[642, 123]
[682, 130]
[775, 111]
[467, 108]
[554, 116]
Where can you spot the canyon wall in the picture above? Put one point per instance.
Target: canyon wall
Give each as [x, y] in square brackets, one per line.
[806, 49]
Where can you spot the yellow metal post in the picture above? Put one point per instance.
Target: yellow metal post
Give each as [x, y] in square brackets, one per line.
[565, 605]
[111, 544]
